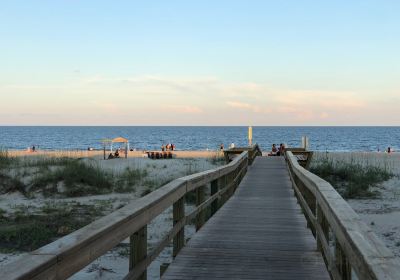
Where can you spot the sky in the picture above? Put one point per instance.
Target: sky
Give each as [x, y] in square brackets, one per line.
[199, 62]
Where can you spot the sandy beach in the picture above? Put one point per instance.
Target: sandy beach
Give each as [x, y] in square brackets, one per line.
[99, 154]
[382, 213]
[114, 264]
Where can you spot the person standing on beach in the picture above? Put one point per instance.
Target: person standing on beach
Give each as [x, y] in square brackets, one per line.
[162, 147]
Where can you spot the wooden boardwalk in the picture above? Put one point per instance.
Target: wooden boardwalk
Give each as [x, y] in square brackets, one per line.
[260, 233]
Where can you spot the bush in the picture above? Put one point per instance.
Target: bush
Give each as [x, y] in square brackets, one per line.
[129, 179]
[351, 180]
[26, 237]
[6, 160]
[79, 179]
[25, 231]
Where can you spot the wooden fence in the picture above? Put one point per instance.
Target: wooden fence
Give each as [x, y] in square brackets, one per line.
[70, 254]
[350, 248]
[253, 151]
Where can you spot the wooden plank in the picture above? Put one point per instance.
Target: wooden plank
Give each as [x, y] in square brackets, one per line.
[179, 216]
[260, 233]
[138, 252]
[359, 246]
[73, 252]
[201, 217]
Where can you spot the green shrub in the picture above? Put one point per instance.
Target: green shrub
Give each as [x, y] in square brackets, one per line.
[6, 160]
[129, 179]
[350, 179]
[79, 179]
[26, 237]
[25, 231]
[11, 184]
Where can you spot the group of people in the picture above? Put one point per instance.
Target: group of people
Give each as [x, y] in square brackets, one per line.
[168, 147]
[115, 155]
[277, 151]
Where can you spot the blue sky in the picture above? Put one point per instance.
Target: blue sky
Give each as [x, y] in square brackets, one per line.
[200, 63]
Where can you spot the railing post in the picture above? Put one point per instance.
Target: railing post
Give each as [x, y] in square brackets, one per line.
[178, 215]
[230, 177]
[221, 185]
[200, 218]
[138, 250]
[321, 220]
[214, 190]
[342, 263]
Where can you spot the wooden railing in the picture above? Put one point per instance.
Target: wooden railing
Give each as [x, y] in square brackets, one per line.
[253, 150]
[349, 246]
[70, 254]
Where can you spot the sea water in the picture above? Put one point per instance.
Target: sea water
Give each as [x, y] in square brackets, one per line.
[200, 138]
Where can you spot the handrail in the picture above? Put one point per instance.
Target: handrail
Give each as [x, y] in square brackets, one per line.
[253, 150]
[71, 253]
[356, 249]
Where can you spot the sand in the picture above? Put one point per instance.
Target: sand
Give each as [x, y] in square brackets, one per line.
[114, 264]
[382, 214]
[100, 154]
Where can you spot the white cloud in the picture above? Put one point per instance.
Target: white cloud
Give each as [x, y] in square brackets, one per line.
[154, 100]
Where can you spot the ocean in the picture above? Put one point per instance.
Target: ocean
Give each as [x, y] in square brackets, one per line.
[200, 138]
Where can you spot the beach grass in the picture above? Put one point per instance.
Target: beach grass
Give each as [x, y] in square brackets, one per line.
[6, 159]
[77, 177]
[129, 179]
[351, 179]
[28, 229]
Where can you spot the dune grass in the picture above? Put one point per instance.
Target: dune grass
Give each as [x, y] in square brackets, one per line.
[129, 179]
[351, 179]
[6, 160]
[77, 179]
[28, 229]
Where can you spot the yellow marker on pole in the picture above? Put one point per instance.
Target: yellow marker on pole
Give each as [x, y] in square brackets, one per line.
[250, 135]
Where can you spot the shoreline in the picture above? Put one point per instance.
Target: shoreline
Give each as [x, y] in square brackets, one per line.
[99, 153]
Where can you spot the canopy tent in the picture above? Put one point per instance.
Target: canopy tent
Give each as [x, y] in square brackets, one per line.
[120, 140]
[115, 140]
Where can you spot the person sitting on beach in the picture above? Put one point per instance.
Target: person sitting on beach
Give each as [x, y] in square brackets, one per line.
[167, 147]
[110, 156]
[274, 150]
[116, 154]
[172, 147]
[163, 147]
[281, 149]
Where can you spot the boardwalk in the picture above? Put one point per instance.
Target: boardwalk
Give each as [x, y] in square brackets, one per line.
[260, 233]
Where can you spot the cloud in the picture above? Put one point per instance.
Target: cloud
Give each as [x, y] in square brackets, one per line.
[151, 99]
[247, 107]
[183, 109]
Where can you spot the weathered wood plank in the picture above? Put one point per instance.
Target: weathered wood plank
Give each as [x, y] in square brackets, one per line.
[66, 256]
[260, 233]
[358, 246]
